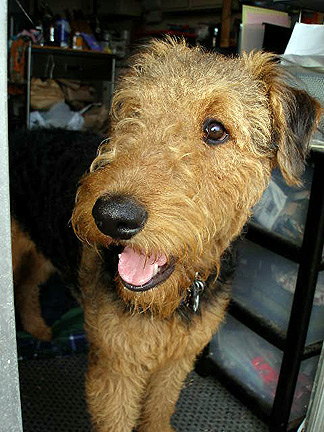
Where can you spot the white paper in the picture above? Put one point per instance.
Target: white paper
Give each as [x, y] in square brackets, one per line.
[315, 62]
[306, 39]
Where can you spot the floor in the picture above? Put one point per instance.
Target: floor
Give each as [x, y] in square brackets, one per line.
[52, 400]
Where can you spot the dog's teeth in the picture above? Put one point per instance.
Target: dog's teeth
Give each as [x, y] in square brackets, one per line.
[156, 269]
[119, 255]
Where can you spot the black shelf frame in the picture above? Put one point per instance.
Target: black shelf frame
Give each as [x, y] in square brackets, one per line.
[54, 62]
[309, 267]
[274, 242]
[308, 255]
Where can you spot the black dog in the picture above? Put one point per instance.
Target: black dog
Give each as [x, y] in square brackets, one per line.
[45, 167]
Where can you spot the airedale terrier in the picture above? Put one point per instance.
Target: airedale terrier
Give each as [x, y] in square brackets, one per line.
[194, 138]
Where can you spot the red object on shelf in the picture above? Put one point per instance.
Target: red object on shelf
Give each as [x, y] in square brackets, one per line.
[267, 373]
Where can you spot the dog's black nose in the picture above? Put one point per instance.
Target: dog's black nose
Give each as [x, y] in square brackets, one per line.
[119, 216]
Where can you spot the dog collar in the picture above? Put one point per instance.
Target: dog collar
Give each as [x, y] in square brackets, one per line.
[192, 298]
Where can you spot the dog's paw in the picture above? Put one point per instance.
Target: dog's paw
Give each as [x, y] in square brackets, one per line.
[157, 428]
[45, 334]
[41, 332]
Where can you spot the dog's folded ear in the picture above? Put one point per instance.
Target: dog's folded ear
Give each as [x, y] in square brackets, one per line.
[295, 115]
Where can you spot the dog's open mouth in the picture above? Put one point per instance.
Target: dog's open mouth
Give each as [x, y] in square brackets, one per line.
[139, 272]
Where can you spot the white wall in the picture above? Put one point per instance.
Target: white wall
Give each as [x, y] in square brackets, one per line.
[10, 414]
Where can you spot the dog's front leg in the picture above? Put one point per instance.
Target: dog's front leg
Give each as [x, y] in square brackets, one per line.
[114, 391]
[162, 395]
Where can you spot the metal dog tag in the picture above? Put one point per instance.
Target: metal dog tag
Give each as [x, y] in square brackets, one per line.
[198, 287]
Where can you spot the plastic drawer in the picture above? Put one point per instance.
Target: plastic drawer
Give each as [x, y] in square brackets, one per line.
[283, 209]
[254, 364]
[264, 284]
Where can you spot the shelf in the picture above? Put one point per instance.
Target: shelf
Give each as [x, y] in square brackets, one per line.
[254, 403]
[261, 326]
[274, 242]
[54, 62]
[44, 49]
[311, 250]
[162, 33]
[268, 330]
[289, 339]
[314, 5]
[254, 365]
[312, 350]
[321, 267]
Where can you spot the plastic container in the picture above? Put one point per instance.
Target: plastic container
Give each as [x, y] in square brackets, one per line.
[255, 365]
[283, 209]
[63, 32]
[264, 284]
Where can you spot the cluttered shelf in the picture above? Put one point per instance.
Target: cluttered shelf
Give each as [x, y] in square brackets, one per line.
[270, 330]
[277, 243]
[69, 51]
[274, 331]
[61, 87]
[55, 62]
[279, 218]
[273, 258]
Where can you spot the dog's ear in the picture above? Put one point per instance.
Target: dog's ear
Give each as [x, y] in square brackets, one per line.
[295, 115]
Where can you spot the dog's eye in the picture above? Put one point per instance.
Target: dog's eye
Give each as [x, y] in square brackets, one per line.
[214, 132]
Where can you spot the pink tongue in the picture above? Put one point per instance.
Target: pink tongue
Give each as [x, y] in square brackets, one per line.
[137, 269]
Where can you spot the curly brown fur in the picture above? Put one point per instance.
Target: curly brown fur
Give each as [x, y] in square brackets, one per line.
[30, 269]
[161, 191]
[200, 195]
[197, 198]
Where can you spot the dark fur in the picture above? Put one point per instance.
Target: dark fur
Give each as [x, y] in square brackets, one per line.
[45, 167]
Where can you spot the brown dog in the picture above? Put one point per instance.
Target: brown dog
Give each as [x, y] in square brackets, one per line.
[194, 139]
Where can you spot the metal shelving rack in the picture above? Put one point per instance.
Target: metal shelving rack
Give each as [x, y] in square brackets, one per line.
[55, 63]
[293, 342]
[310, 264]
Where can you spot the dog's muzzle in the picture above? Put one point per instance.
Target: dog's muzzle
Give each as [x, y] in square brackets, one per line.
[119, 216]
